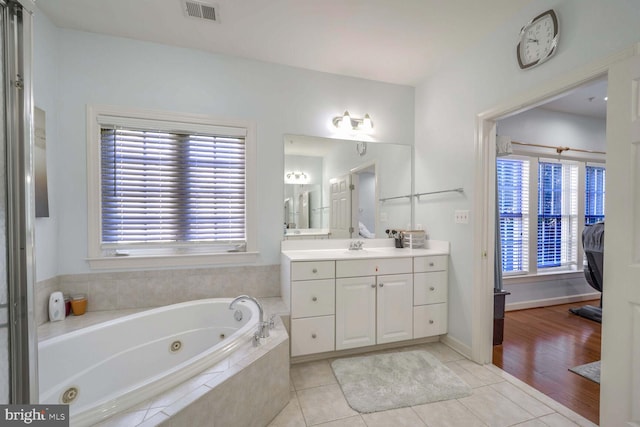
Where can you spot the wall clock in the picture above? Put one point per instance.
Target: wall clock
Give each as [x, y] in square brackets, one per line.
[538, 40]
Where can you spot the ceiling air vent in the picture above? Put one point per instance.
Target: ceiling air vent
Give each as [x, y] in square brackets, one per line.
[200, 10]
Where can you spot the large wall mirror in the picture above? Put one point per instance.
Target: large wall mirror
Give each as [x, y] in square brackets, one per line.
[345, 189]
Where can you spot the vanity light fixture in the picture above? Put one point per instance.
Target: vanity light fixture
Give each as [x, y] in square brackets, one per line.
[346, 122]
[296, 177]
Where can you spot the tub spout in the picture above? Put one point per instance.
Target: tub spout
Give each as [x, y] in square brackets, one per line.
[263, 327]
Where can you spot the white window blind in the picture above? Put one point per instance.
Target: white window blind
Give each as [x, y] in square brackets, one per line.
[557, 214]
[594, 194]
[513, 208]
[160, 186]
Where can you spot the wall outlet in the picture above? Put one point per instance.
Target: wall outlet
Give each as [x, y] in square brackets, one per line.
[462, 217]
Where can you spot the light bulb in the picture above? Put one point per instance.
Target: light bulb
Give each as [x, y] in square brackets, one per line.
[367, 124]
[345, 124]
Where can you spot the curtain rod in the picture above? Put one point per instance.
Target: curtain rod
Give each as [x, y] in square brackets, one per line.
[456, 190]
[559, 150]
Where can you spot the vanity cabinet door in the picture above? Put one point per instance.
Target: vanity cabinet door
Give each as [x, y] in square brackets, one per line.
[429, 320]
[312, 335]
[312, 298]
[355, 312]
[312, 270]
[430, 288]
[395, 308]
[430, 263]
[368, 267]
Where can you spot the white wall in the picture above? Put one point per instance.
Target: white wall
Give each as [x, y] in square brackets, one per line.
[448, 103]
[541, 126]
[96, 69]
[45, 80]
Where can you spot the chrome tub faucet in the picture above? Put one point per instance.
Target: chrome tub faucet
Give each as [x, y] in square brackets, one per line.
[263, 327]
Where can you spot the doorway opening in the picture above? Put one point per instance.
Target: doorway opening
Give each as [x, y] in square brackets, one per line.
[545, 153]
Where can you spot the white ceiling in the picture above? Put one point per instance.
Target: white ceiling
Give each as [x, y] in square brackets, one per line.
[396, 41]
[587, 100]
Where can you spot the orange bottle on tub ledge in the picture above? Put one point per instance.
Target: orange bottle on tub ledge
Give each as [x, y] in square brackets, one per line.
[79, 304]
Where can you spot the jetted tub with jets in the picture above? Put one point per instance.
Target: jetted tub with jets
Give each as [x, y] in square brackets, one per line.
[109, 367]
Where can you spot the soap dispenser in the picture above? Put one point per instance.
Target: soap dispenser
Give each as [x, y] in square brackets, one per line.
[56, 307]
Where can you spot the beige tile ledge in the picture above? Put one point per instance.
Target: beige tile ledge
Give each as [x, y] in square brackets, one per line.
[271, 305]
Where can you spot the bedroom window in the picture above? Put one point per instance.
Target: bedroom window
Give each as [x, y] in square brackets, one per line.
[169, 187]
[594, 194]
[557, 214]
[540, 233]
[513, 208]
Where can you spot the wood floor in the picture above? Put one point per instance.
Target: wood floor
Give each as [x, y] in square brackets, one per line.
[541, 344]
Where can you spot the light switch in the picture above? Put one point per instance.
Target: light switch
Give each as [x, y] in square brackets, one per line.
[462, 217]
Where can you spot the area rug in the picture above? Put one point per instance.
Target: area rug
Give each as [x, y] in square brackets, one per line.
[590, 371]
[396, 380]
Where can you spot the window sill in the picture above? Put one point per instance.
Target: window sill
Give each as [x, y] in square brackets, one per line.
[184, 260]
[542, 277]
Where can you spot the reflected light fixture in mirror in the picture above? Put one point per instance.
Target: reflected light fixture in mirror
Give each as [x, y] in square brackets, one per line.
[296, 177]
[346, 122]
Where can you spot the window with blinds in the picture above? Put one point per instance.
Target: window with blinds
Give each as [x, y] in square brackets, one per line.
[594, 194]
[162, 187]
[557, 214]
[538, 203]
[513, 208]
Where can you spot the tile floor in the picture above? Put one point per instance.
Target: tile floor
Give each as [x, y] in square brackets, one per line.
[498, 400]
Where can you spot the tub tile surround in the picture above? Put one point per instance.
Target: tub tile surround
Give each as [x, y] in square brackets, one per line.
[249, 388]
[154, 288]
[498, 399]
[271, 306]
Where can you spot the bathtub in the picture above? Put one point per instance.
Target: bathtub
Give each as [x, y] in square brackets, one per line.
[109, 367]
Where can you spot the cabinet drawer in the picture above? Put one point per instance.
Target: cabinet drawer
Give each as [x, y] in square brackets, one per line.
[308, 270]
[312, 335]
[429, 320]
[430, 263]
[429, 288]
[313, 298]
[373, 267]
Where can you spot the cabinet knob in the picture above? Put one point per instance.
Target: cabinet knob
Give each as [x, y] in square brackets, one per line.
[373, 285]
[381, 284]
[431, 322]
[431, 264]
[431, 288]
[313, 336]
[315, 270]
[314, 299]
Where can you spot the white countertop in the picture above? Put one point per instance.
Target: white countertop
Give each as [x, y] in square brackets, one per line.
[374, 248]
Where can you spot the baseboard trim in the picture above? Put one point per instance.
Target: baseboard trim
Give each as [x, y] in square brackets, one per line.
[551, 301]
[360, 350]
[457, 345]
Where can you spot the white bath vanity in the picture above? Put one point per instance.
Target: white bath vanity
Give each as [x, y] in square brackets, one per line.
[342, 299]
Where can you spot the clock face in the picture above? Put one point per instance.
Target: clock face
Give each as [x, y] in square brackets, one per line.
[538, 40]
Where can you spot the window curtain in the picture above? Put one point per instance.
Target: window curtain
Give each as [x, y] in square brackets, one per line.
[503, 148]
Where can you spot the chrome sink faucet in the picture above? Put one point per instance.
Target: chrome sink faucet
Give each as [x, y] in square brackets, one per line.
[356, 245]
[263, 327]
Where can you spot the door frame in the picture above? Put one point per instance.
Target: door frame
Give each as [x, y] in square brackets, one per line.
[484, 194]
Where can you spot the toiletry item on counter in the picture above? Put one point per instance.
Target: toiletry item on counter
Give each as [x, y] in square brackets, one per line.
[79, 304]
[67, 305]
[56, 307]
[398, 236]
